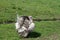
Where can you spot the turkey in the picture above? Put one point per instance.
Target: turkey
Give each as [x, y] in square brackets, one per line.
[24, 25]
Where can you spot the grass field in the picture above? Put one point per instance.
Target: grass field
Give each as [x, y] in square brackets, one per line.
[37, 8]
[45, 30]
[43, 9]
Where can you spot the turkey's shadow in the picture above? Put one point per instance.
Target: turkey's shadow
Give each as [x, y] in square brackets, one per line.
[33, 35]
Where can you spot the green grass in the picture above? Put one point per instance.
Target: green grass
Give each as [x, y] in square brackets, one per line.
[8, 32]
[37, 8]
[44, 9]
[44, 30]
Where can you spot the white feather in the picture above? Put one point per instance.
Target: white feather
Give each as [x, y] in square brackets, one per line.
[17, 26]
[31, 26]
[22, 29]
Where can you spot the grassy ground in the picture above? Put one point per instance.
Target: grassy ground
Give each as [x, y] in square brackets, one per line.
[44, 30]
[44, 9]
[37, 8]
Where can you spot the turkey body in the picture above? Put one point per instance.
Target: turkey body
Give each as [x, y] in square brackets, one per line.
[24, 27]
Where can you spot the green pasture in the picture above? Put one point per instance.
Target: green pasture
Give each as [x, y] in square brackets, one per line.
[44, 30]
[43, 9]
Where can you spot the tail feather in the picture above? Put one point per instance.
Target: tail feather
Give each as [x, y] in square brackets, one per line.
[17, 16]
